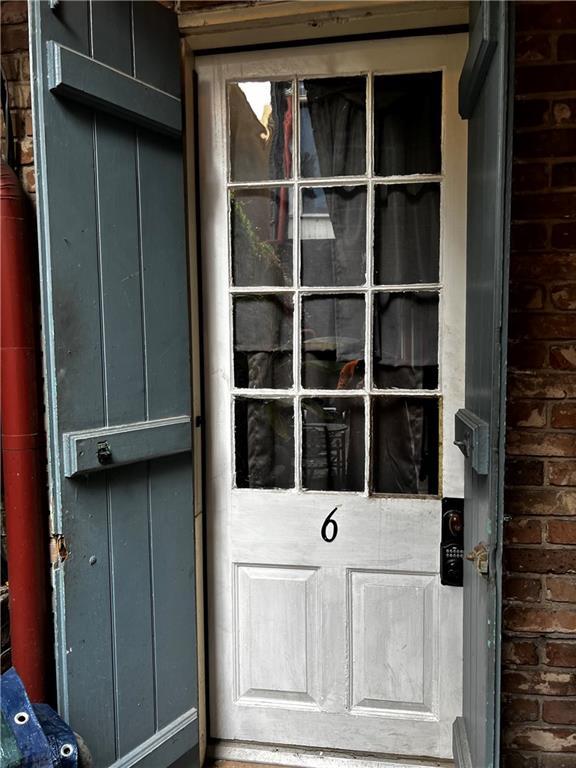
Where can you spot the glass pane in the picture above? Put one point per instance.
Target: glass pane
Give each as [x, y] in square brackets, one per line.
[263, 341]
[333, 236]
[260, 115]
[264, 436]
[407, 234]
[333, 126]
[261, 236]
[406, 340]
[333, 342]
[407, 123]
[333, 444]
[405, 439]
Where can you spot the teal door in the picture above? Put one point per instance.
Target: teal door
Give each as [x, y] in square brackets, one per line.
[117, 365]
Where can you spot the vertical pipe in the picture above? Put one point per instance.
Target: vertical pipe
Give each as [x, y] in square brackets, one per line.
[22, 466]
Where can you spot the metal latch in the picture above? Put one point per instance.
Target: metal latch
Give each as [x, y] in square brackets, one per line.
[479, 556]
[104, 452]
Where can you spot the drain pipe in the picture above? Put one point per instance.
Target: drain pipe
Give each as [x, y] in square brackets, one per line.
[22, 443]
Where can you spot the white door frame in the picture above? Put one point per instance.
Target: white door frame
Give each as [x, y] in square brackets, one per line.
[305, 23]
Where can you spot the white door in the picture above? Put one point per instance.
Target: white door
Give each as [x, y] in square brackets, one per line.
[333, 244]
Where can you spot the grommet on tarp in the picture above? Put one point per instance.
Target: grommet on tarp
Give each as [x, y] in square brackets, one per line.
[32, 735]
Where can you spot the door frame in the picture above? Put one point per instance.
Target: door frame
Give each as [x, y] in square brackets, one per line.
[260, 27]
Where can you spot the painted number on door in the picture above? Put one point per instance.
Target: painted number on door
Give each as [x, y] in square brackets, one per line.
[329, 529]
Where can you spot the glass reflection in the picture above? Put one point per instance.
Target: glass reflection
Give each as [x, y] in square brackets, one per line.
[333, 236]
[333, 126]
[333, 444]
[406, 340]
[333, 342]
[261, 123]
[263, 341]
[407, 123]
[407, 234]
[264, 439]
[261, 236]
[405, 445]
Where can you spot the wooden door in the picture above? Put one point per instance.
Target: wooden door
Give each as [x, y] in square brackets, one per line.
[333, 239]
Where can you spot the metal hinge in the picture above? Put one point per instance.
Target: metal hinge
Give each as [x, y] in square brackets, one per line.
[58, 550]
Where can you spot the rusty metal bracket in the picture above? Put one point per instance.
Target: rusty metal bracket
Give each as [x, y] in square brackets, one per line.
[479, 556]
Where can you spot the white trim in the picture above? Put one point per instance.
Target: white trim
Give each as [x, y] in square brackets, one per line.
[154, 742]
[460, 746]
[309, 758]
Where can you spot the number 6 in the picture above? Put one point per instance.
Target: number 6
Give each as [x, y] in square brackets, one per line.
[325, 524]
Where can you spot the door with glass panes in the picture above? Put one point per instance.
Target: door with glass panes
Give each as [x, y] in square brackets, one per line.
[332, 203]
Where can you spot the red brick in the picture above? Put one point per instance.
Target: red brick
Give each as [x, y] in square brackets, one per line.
[540, 739]
[539, 618]
[529, 236]
[545, 78]
[546, 386]
[557, 761]
[530, 177]
[524, 443]
[519, 709]
[544, 501]
[531, 48]
[520, 472]
[534, 560]
[563, 175]
[548, 15]
[517, 760]
[531, 113]
[543, 682]
[29, 179]
[562, 531]
[524, 589]
[523, 652]
[548, 325]
[526, 296]
[544, 143]
[14, 12]
[564, 296]
[562, 473]
[560, 653]
[526, 413]
[526, 355]
[563, 236]
[563, 112]
[566, 47]
[539, 266]
[563, 415]
[14, 38]
[563, 358]
[523, 530]
[561, 711]
[561, 589]
[555, 205]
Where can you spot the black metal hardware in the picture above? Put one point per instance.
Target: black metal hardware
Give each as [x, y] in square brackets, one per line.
[104, 452]
[452, 543]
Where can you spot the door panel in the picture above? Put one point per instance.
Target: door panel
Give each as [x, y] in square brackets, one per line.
[116, 324]
[332, 379]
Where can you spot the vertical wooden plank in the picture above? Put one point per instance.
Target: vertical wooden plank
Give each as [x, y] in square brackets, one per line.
[156, 64]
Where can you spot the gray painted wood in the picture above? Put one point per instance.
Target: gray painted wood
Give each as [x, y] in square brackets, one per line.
[136, 442]
[486, 318]
[116, 324]
[81, 78]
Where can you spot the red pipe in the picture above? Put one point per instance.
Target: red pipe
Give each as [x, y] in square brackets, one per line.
[22, 443]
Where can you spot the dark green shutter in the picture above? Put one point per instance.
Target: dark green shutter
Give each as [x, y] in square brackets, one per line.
[484, 102]
[107, 115]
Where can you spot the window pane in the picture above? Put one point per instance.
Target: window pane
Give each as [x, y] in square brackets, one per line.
[333, 126]
[407, 234]
[260, 115]
[406, 340]
[263, 341]
[333, 444]
[405, 438]
[264, 436]
[333, 342]
[407, 123]
[261, 236]
[333, 236]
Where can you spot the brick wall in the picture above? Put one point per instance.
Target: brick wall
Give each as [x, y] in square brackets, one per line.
[539, 652]
[16, 68]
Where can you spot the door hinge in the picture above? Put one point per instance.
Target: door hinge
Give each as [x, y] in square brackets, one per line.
[58, 550]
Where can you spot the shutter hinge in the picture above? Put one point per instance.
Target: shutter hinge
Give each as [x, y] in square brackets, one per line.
[58, 550]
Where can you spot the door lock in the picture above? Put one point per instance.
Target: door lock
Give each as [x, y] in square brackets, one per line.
[452, 543]
[479, 556]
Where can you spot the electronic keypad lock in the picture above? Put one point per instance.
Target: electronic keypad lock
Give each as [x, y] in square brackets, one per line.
[452, 543]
